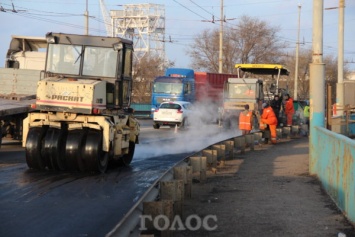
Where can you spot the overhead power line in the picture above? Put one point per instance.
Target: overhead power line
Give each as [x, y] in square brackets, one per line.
[190, 10]
[201, 8]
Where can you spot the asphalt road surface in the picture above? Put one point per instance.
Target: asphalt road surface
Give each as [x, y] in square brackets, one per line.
[47, 203]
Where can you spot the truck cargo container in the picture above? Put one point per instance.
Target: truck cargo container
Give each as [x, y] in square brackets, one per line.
[24, 61]
[202, 88]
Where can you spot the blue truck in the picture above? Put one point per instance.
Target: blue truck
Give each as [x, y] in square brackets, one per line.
[202, 88]
[178, 84]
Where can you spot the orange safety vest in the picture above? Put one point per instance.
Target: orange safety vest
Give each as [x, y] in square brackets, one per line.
[245, 120]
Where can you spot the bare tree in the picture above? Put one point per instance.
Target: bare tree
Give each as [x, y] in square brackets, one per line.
[250, 41]
[305, 58]
[144, 73]
[331, 73]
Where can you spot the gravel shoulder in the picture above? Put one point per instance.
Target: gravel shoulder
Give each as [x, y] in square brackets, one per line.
[266, 192]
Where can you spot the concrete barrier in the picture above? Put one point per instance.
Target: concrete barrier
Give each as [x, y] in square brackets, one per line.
[332, 159]
[211, 155]
[199, 164]
[165, 196]
[240, 143]
[184, 173]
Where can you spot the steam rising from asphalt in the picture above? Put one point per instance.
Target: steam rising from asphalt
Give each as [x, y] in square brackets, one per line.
[200, 133]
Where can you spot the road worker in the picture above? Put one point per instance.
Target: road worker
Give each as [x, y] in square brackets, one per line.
[268, 117]
[276, 106]
[289, 109]
[306, 114]
[246, 120]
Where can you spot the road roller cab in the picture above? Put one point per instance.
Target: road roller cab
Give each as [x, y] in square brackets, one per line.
[81, 121]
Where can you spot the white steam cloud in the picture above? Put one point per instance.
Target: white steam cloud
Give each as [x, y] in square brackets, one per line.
[202, 131]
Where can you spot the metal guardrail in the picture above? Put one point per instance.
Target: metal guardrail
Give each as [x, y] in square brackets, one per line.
[130, 223]
[128, 226]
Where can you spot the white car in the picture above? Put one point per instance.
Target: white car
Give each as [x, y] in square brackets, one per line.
[171, 114]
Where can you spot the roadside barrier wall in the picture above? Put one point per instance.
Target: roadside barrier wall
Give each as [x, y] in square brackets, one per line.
[332, 159]
[163, 201]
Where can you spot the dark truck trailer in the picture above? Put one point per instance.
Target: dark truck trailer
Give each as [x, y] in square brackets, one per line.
[209, 91]
[25, 59]
[12, 113]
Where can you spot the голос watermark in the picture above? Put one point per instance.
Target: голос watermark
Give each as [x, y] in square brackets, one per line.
[192, 222]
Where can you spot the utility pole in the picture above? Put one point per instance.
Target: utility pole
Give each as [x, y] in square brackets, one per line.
[297, 52]
[340, 84]
[220, 62]
[86, 14]
[317, 79]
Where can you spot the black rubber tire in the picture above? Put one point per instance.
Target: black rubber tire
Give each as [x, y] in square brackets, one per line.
[73, 148]
[94, 157]
[54, 148]
[33, 148]
[156, 126]
[184, 124]
[127, 159]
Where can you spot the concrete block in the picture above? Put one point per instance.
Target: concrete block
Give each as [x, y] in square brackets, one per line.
[240, 143]
[221, 151]
[154, 209]
[229, 149]
[286, 132]
[211, 157]
[184, 173]
[173, 190]
[249, 140]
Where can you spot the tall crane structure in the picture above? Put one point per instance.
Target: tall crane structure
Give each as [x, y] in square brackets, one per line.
[107, 18]
[144, 24]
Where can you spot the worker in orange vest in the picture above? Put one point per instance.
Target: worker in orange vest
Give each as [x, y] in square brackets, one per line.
[246, 120]
[268, 117]
[289, 109]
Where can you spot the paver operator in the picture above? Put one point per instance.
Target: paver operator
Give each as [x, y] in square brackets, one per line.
[268, 117]
[289, 109]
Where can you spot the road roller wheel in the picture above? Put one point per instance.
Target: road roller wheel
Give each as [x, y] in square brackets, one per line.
[126, 159]
[94, 157]
[34, 142]
[73, 148]
[54, 148]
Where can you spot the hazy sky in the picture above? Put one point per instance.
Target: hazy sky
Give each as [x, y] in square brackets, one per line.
[184, 19]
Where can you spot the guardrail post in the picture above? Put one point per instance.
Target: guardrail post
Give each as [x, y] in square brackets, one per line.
[295, 130]
[266, 136]
[230, 149]
[188, 188]
[279, 133]
[199, 164]
[286, 131]
[157, 213]
[239, 142]
[221, 153]
[211, 157]
[184, 173]
[258, 137]
[249, 139]
[173, 190]
[304, 129]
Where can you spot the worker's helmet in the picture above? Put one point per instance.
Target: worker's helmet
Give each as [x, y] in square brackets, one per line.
[265, 105]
